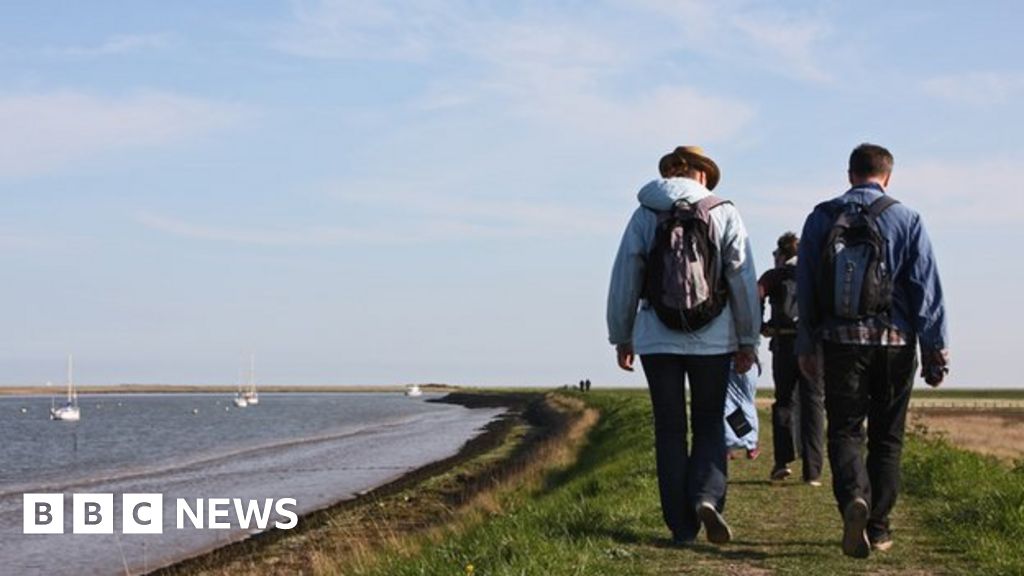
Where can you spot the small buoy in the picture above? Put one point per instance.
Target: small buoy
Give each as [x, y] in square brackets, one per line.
[195, 410]
[227, 408]
[24, 410]
[119, 404]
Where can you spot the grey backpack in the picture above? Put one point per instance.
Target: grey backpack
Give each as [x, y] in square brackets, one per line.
[684, 282]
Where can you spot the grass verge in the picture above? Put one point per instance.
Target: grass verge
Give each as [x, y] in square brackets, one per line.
[975, 503]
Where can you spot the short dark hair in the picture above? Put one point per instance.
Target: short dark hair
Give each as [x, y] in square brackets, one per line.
[787, 245]
[870, 160]
[672, 165]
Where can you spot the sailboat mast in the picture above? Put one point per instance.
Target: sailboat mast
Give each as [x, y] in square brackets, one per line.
[252, 373]
[71, 385]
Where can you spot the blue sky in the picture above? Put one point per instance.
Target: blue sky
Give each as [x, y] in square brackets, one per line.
[383, 192]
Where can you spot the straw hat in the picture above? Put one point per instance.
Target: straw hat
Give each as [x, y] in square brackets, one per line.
[691, 157]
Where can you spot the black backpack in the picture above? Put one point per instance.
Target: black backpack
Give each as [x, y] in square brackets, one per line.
[785, 310]
[682, 282]
[856, 282]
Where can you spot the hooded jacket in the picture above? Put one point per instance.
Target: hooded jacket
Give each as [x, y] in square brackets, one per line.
[632, 320]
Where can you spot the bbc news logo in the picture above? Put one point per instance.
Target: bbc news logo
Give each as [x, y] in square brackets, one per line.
[144, 513]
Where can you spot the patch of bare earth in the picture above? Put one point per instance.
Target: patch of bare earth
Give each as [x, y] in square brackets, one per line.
[999, 433]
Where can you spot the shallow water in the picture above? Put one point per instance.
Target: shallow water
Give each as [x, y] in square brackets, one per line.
[315, 448]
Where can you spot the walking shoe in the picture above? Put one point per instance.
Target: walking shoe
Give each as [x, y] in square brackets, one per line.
[855, 537]
[753, 453]
[781, 472]
[881, 543]
[816, 482]
[682, 541]
[718, 531]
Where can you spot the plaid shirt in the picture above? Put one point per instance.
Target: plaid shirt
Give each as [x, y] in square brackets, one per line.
[864, 333]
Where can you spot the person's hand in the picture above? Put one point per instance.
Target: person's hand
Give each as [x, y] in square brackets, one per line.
[624, 352]
[744, 359]
[809, 366]
[933, 367]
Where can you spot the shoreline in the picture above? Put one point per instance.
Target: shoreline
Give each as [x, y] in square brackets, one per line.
[59, 390]
[521, 409]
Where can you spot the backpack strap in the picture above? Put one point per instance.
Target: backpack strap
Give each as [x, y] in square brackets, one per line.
[705, 205]
[710, 202]
[881, 205]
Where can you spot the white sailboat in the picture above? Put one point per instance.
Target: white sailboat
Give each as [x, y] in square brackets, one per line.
[69, 411]
[414, 390]
[250, 394]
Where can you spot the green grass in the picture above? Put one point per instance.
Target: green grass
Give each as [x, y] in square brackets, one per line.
[974, 502]
[601, 516]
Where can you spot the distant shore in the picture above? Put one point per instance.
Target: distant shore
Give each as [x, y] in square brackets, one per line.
[212, 389]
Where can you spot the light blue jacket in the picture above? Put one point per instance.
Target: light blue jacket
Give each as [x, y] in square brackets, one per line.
[632, 320]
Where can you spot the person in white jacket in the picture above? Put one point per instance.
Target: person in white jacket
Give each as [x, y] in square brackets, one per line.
[691, 482]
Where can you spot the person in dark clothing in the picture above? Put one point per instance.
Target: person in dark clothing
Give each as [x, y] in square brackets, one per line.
[868, 289]
[778, 286]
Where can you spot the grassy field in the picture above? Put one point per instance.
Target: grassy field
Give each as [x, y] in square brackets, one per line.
[961, 514]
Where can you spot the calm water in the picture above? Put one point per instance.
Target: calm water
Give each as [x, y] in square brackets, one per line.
[316, 448]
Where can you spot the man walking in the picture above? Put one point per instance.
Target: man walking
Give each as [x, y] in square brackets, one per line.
[868, 289]
[778, 286]
[685, 259]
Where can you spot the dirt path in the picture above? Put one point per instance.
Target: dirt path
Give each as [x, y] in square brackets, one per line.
[792, 528]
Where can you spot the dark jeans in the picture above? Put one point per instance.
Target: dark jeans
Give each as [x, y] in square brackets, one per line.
[872, 382]
[687, 477]
[791, 387]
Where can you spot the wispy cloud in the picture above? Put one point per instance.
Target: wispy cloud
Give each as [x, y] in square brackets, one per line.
[414, 216]
[786, 44]
[442, 209]
[43, 132]
[118, 44]
[311, 236]
[558, 75]
[361, 29]
[549, 63]
[978, 89]
[772, 36]
[987, 198]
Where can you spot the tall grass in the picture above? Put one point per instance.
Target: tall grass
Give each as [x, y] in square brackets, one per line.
[973, 502]
[557, 523]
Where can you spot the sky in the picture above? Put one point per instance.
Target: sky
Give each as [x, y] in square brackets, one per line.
[372, 192]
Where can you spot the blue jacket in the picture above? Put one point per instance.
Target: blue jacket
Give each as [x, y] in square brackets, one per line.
[917, 308]
[631, 320]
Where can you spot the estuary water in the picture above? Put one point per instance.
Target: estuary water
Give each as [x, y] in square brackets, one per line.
[316, 448]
